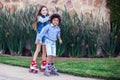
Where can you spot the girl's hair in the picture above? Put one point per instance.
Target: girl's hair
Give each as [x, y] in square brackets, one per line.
[55, 16]
[39, 12]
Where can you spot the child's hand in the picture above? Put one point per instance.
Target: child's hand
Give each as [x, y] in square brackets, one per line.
[60, 41]
[50, 12]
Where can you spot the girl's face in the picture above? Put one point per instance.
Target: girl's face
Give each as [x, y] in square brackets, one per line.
[55, 21]
[44, 11]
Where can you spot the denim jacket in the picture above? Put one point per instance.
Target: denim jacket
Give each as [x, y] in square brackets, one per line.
[42, 21]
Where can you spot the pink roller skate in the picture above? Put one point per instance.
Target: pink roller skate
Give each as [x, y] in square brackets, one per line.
[33, 67]
[43, 64]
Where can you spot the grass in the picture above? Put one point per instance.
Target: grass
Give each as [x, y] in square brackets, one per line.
[107, 68]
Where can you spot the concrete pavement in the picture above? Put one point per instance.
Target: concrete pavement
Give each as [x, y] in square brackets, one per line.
[8, 72]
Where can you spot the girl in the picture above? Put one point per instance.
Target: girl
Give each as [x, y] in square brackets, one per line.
[43, 20]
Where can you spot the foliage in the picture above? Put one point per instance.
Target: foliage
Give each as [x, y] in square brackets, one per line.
[82, 36]
[114, 6]
[16, 29]
[112, 42]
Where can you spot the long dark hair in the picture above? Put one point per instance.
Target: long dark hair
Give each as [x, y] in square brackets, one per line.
[39, 12]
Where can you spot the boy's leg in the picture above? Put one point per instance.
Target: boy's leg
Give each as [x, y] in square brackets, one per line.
[48, 50]
[53, 69]
[48, 67]
[51, 52]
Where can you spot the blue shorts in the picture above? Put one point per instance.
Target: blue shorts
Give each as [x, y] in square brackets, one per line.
[50, 47]
[38, 37]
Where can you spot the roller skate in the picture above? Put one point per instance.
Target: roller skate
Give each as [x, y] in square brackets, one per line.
[43, 64]
[33, 67]
[54, 70]
[47, 70]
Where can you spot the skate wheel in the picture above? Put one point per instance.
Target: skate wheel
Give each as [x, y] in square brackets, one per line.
[42, 70]
[31, 70]
[35, 71]
[47, 74]
[57, 74]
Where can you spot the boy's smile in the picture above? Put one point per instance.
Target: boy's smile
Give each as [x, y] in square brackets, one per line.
[55, 21]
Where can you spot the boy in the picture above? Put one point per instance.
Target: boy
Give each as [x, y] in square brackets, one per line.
[51, 32]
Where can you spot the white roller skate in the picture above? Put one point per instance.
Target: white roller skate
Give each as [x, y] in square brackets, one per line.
[47, 70]
[53, 70]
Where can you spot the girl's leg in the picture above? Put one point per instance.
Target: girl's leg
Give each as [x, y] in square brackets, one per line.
[43, 62]
[38, 47]
[33, 66]
[44, 52]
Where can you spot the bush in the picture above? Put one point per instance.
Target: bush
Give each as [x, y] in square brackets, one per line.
[114, 6]
[15, 30]
[82, 36]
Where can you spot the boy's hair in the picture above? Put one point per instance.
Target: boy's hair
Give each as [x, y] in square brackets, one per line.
[55, 16]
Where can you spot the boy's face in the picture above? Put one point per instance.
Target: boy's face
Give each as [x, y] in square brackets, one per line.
[55, 21]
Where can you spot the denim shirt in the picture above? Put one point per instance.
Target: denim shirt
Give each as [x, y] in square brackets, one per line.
[50, 32]
[42, 21]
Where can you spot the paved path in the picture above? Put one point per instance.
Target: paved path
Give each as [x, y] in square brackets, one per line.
[8, 72]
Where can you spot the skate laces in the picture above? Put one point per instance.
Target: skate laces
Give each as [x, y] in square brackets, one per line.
[33, 63]
[36, 66]
[43, 63]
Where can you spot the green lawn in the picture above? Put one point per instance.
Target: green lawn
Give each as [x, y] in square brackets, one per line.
[108, 68]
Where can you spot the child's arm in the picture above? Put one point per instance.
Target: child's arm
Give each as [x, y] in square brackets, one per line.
[43, 31]
[42, 20]
[60, 40]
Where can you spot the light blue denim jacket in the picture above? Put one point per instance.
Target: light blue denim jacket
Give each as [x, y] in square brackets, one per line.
[50, 32]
